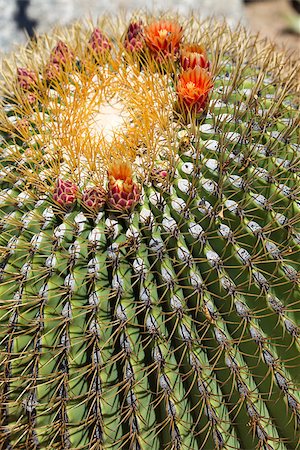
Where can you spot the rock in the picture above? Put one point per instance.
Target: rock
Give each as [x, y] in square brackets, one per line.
[20, 16]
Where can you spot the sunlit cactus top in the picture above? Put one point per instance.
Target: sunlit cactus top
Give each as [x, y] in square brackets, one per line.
[121, 108]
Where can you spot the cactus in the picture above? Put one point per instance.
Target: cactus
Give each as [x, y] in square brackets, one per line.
[149, 212]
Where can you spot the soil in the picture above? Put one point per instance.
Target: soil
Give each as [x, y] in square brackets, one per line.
[270, 19]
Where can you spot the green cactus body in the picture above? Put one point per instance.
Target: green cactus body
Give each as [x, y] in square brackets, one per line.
[171, 321]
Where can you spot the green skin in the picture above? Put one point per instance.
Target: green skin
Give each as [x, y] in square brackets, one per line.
[173, 327]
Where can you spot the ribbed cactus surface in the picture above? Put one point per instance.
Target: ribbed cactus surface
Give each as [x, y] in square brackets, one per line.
[156, 307]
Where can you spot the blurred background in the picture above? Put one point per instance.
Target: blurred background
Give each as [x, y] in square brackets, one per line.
[278, 20]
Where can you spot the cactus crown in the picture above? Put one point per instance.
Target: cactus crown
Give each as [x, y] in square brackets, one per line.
[149, 213]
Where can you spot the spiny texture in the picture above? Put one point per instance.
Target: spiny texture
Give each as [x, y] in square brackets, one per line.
[172, 322]
[163, 38]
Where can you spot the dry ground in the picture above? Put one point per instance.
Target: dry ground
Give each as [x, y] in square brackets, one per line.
[269, 18]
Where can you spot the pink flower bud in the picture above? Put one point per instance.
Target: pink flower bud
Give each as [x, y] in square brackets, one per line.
[65, 193]
[134, 39]
[61, 54]
[27, 78]
[98, 42]
[94, 198]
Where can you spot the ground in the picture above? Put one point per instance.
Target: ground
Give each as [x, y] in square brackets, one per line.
[269, 17]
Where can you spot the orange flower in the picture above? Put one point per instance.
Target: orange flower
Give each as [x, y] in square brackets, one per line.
[123, 193]
[134, 39]
[163, 38]
[193, 87]
[193, 55]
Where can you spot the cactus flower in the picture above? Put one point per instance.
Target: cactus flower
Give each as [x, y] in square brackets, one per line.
[193, 88]
[65, 193]
[60, 56]
[163, 39]
[27, 78]
[193, 55]
[98, 42]
[123, 193]
[94, 198]
[134, 38]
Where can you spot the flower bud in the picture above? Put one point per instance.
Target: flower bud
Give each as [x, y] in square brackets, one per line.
[65, 193]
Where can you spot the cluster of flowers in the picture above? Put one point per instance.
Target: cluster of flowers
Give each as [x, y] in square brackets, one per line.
[122, 193]
[162, 41]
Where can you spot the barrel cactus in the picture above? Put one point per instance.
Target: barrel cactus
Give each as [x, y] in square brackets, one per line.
[149, 208]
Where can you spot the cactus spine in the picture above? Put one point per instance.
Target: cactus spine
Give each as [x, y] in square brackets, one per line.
[149, 271]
